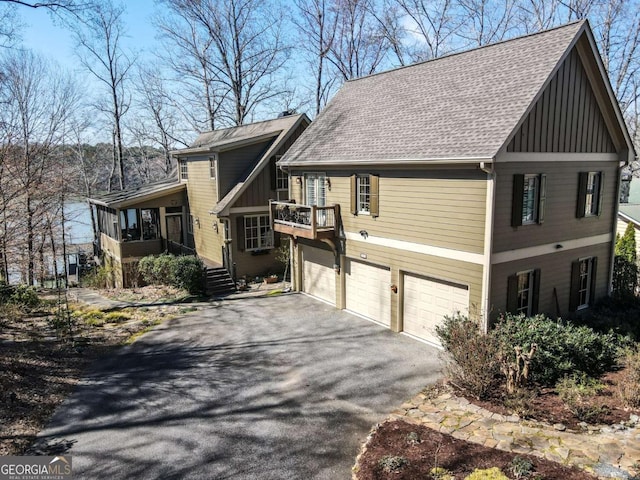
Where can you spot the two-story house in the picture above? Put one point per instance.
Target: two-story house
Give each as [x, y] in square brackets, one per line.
[216, 206]
[483, 182]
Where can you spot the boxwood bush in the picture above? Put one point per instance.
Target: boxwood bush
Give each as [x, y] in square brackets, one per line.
[166, 269]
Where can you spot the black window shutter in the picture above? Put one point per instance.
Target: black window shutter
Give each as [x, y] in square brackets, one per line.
[542, 197]
[535, 301]
[516, 203]
[240, 233]
[374, 197]
[583, 178]
[354, 195]
[512, 293]
[574, 294]
[600, 193]
[594, 274]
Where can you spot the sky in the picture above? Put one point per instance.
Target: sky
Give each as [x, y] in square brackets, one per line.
[54, 42]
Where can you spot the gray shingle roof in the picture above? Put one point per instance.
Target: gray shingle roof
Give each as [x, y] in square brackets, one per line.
[461, 106]
[227, 137]
[631, 212]
[133, 195]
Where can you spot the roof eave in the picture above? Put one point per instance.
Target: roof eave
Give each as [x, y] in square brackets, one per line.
[391, 162]
[223, 147]
[168, 190]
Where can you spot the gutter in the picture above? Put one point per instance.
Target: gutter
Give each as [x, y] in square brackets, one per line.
[388, 162]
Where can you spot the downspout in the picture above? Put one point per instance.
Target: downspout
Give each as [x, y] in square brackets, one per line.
[489, 169]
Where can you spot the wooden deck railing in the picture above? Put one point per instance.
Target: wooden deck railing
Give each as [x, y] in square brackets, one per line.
[308, 221]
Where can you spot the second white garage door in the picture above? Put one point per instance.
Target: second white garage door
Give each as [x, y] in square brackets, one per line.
[367, 291]
[427, 301]
[318, 276]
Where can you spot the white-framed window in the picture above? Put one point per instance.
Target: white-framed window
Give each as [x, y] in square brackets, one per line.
[592, 198]
[190, 225]
[584, 284]
[184, 170]
[212, 167]
[525, 292]
[363, 194]
[258, 234]
[282, 179]
[530, 199]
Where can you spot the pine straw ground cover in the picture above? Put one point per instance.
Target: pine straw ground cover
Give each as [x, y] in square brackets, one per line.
[41, 364]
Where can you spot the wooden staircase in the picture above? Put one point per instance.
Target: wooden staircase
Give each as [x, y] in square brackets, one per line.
[218, 282]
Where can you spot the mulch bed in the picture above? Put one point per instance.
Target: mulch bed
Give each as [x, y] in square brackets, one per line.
[425, 449]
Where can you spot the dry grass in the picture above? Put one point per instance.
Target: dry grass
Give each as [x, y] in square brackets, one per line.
[41, 364]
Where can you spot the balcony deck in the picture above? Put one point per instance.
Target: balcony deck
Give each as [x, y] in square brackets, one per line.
[306, 221]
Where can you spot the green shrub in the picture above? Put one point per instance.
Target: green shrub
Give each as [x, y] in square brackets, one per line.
[182, 272]
[520, 467]
[99, 277]
[576, 392]
[487, 474]
[187, 274]
[629, 385]
[23, 296]
[473, 362]
[618, 314]
[392, 463]
[563, 348]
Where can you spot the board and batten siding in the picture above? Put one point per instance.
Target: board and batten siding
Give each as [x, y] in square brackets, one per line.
[560, 222]
[442, 209]
[566, 118]
[555, 273]
[203, 197]
[234, 164]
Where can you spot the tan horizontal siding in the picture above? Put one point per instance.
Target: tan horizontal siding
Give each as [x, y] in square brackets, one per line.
[252, 265]
[443, 209]
[560, 222]
[172, 200]
[555, 272]
[202, 198]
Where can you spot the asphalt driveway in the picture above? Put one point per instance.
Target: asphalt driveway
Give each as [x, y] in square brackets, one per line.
[266, 388]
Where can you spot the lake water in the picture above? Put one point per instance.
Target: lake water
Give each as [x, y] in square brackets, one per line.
[78, 230]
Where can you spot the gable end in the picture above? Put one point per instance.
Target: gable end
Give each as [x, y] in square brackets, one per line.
[566, 118]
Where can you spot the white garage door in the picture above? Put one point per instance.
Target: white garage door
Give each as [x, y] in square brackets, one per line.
[318, 276]
[427, 301]
[367, 291]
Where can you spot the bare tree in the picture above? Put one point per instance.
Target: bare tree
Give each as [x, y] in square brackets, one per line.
[247, 48]
[189, 53]
[359, 46]
[486, 21]
[36, 100]
[432, 24]
[317, 27]
[100, 51]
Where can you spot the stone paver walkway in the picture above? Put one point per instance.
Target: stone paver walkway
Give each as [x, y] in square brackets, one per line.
[608, 452]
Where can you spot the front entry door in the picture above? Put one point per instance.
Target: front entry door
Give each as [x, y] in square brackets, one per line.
[174, 228]
[316, 194]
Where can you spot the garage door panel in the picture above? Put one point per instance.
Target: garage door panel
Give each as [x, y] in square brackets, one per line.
[367, 290]
[318, 276]
[427, 301]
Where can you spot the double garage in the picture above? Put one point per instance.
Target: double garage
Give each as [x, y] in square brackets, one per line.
[424, 301]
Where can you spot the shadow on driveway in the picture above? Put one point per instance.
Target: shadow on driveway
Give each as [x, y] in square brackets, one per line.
[283, 387]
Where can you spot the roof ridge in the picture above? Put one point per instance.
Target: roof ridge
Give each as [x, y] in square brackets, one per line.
[252, 123]
[462, 52]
